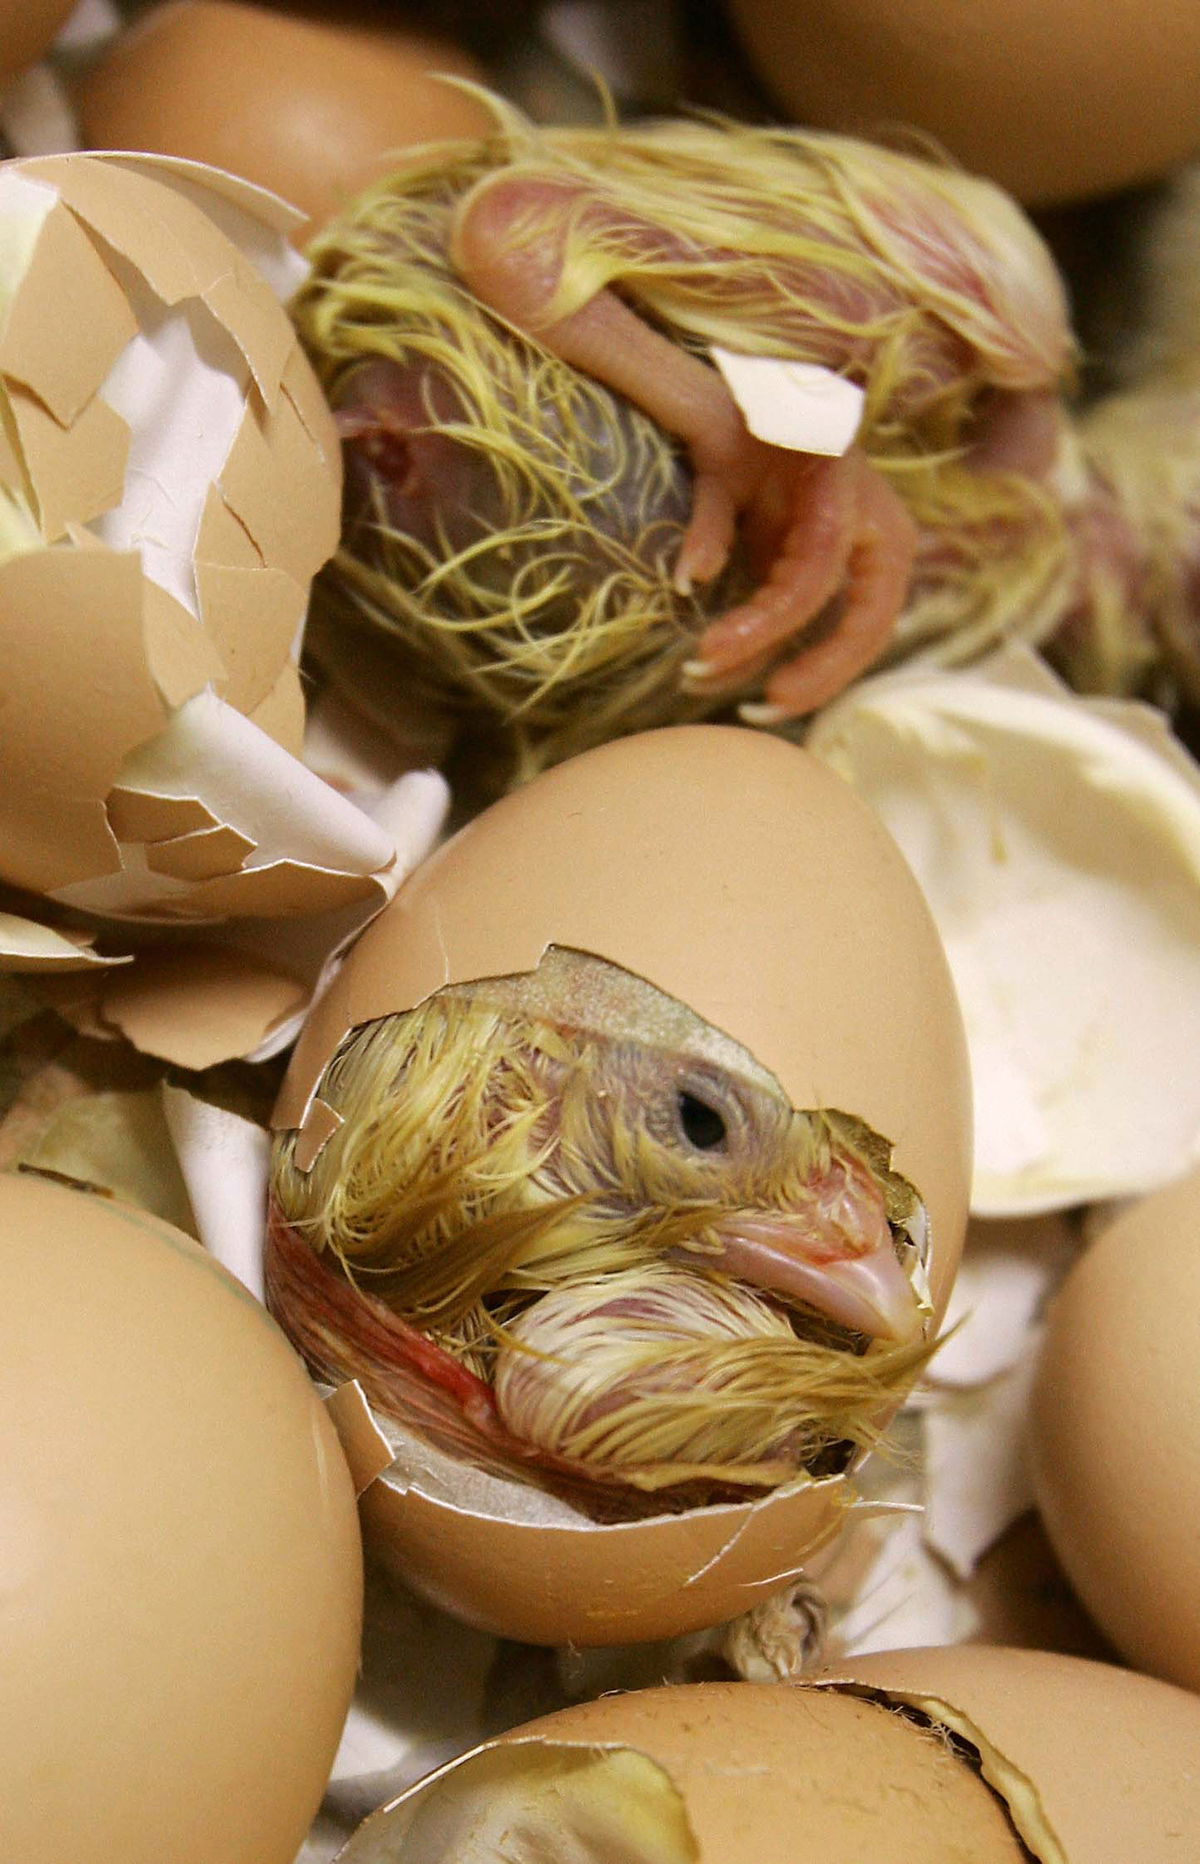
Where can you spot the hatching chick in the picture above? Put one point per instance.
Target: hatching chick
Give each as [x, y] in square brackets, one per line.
[570, 1168]
[554, 499]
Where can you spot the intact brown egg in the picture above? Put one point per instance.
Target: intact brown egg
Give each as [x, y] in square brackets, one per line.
[700, 886]
[26, 31]
[1056, 103]
[180, 1567]
[313, 107]
[1115, 1436]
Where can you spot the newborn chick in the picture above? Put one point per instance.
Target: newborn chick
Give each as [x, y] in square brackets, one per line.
[554, 500]
[569, 1166]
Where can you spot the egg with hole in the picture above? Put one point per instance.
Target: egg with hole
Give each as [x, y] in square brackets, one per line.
[1114, 1443]
[180, 1556]
[1094, 1764]
[701, 1773]
[312, 105]
[955, 1756]
[624, 1165]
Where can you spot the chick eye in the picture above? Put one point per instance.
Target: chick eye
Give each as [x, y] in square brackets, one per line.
[703, 1127]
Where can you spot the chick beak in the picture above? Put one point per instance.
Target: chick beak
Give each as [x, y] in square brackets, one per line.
[866, 1290]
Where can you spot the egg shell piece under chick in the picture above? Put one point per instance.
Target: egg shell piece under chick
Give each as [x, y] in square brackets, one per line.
[734, 872]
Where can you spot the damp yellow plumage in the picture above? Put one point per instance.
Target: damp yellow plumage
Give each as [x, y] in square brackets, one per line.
[609, 1262]
[515, 524]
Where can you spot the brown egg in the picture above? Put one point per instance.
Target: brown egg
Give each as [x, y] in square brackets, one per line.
[313, 107]
[1115, 1437]
[26, 31]
[738, 875]
[1056, 103]
[1095, 1764]
[180, 1566]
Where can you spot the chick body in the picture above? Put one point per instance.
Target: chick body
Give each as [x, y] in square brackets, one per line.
[522, 593]
[576, 1137]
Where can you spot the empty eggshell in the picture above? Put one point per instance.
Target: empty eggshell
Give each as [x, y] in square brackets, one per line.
[735, 873]
[1096, 1764]
[702, 1773]
[179, 1558]
[312, 107]
[1114, 1436]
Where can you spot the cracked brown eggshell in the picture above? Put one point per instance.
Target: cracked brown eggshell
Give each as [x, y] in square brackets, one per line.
[729, 1773]
[180, 1562]
[1097, 1764]
[169, 485]
[740, 876]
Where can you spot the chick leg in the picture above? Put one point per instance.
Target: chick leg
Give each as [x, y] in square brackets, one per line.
[828, 527]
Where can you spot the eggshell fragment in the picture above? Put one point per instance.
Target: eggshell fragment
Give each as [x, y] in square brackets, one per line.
[705, 1773]
[1114, 1434]
[314, 108]
[1057, 841]
[180, 1553]
[735, 873]
[1096, 1764]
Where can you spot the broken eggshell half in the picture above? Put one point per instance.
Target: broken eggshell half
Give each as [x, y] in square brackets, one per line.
[1057, 842]
[920, 1757]
[169, 485]
[735, 874]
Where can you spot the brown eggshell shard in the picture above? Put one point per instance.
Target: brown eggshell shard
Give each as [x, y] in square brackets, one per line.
[311, 107]
[51, 599]
[740, 876]
[1114, 1438]
[65, 267]
[758, 1772]
[182, 1566]
[1097, 1764]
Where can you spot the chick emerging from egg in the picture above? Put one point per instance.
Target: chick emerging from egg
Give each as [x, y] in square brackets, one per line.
[568, 1231]
[556, 510]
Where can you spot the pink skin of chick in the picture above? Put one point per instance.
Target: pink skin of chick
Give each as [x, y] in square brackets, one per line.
[818, 528]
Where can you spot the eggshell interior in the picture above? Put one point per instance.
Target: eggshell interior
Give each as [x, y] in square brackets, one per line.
[763, 1771]
[313, 106]
[1097, 1764]
[1057, 103]
[179, 1556]
[1115, 1437]
[743, 878]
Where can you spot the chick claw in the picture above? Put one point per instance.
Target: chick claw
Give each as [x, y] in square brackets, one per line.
[849, 538]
